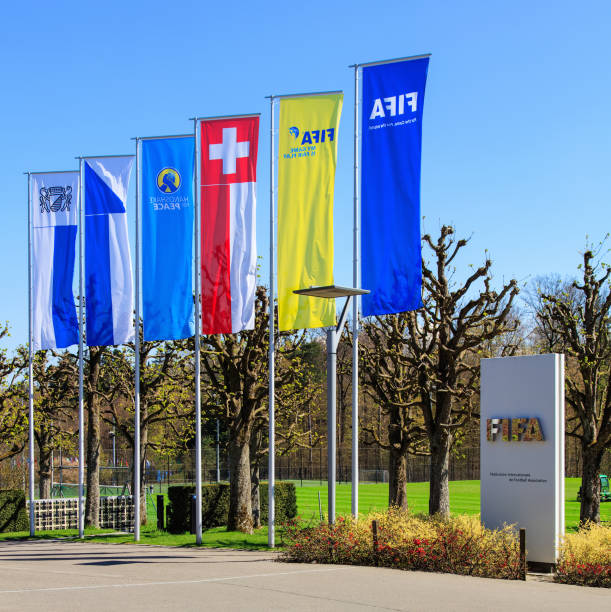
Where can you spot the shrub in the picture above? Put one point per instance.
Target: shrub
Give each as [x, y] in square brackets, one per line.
[286, 502]
[13, 514]
[179, 508]
[215, 505]
[456, 545]
[585, 557]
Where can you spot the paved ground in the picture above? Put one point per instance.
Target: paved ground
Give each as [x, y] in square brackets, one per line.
[52, 575]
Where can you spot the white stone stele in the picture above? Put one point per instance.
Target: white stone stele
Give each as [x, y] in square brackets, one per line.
[522, 482]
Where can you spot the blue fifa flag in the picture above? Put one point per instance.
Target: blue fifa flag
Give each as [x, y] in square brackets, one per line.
[393, 98]
[167, 237]
[109, 286]
[54, 201]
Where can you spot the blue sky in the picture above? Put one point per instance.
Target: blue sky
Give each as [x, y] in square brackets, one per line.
[516, 135]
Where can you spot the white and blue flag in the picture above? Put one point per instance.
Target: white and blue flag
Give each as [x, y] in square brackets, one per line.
[109, 288]
[54, 200]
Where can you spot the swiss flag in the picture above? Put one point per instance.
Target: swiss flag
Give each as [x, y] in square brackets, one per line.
[228, 240]
[229, 150]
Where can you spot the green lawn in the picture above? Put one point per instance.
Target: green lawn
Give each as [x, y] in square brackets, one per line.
[218, 537]
[464, 499]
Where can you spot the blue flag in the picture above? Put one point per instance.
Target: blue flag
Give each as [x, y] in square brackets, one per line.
[167, 238]
[393, 97]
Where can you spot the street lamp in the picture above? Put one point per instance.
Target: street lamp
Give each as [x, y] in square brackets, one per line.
[333, 336]
[113, 436]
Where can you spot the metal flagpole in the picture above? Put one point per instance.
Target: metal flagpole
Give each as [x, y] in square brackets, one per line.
[271, 540]
[137, 456]
[355, 308]
[357, 281]
[81, 419]
[30, 369]
[198, 406]
[394, 60]
[271, 310]
[137, 358]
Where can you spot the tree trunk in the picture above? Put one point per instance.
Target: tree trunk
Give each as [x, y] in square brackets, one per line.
[143, 446]
[240, 504]
[439, 491]
[397, 461]
[44, 473]
[255, 445]
[92, 499]
[256, 497]
[590, 485]
[397, 486]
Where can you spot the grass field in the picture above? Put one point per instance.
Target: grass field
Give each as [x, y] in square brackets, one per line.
[464, 499]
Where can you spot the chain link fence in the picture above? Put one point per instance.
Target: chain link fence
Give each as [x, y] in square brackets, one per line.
[303, 464]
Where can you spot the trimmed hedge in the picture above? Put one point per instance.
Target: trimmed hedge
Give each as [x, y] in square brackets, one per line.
[215, 505]
[13, 513]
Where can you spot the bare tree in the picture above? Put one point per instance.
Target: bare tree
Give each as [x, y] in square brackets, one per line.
[388, 379]
[165, 393]
[13, 396]
[95, 389]
[236, 367]
[93, 394]
[443, 337]
[546, 335]
[580, 315]
[55, 401]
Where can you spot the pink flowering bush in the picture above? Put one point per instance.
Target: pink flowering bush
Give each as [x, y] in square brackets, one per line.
[457, 545]
[585, 557]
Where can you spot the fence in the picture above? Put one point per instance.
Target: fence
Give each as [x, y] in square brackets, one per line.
[311, 465]
[373, 465]
[302, 464]
[115, 513]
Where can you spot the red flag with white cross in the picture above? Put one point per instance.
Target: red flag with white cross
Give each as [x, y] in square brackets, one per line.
[228, 165]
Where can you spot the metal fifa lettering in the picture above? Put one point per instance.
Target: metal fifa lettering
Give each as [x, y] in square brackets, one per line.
[522, 429]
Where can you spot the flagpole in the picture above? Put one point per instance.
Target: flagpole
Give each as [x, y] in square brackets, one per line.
[355, 308]
[81, 419]
[198, 406]
[30, 369]
[271, 472]
[309, 94]
[136, 495]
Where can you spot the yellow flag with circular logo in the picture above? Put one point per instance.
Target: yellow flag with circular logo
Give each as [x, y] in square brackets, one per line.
[307, 158]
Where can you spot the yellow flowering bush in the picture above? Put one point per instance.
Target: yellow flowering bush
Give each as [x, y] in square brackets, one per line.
[457, 545]
[585, 557]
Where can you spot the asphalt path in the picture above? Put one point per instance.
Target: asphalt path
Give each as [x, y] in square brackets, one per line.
[56, 575]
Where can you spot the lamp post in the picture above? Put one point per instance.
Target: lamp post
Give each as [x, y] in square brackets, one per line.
[333, 336]
[113, 436]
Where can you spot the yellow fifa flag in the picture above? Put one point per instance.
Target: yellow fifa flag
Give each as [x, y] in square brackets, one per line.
[307, 159]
